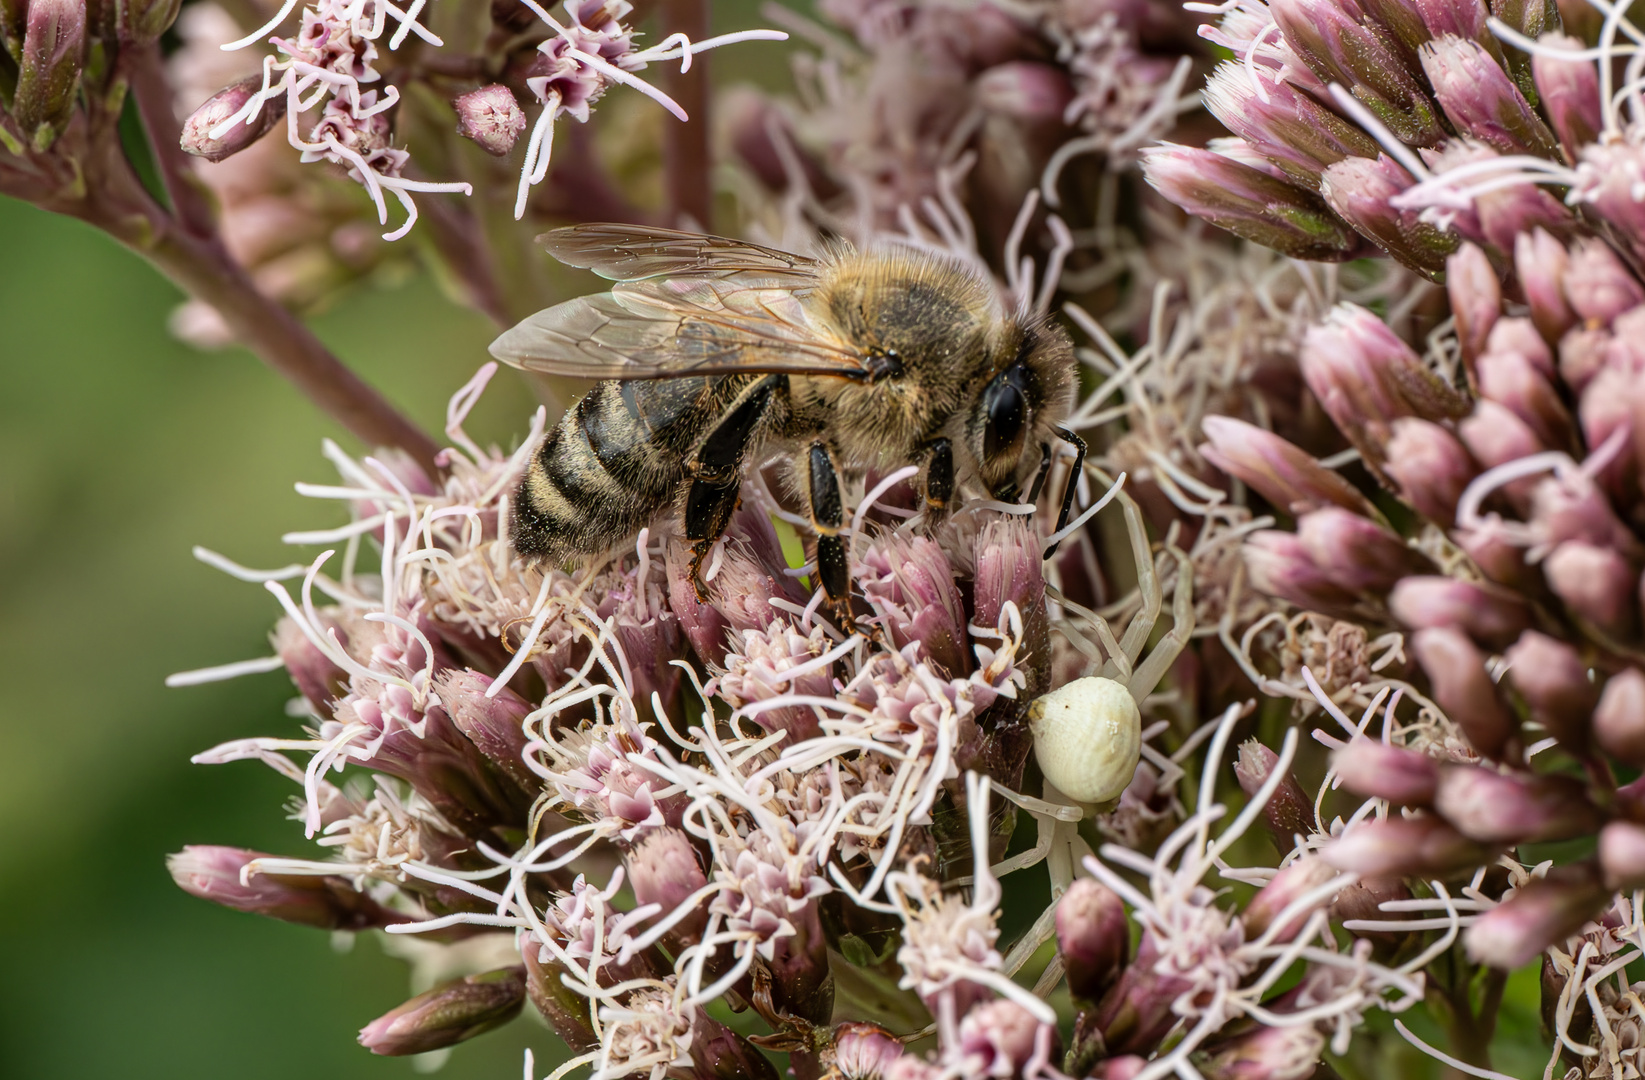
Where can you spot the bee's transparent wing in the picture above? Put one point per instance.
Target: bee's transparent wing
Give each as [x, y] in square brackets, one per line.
[635, 253]
[676, 328]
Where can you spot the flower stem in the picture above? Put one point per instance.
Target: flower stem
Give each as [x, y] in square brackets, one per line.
[205, 270]
[190, 204]
[685, 146]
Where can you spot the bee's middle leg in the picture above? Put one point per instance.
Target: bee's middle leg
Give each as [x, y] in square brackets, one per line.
[1073, 483]
[939, 476]
[717, 477]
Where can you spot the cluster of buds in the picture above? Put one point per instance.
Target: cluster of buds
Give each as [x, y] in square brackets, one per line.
[1412, 128]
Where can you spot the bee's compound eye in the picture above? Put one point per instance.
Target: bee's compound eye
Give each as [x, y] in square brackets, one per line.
[1006, 405]
[1087, 738]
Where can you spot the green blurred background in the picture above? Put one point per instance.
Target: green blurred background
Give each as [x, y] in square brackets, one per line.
[122, 448]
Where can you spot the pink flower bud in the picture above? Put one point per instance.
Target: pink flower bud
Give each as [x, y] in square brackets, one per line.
[48, 75]
[1278, 565]
[1406, 847]
[1540, 263]
[1622, 855]
[1489, 615]
[1248, 203]
[491, 723]
[1282, 890]
[1137, 1011]
[1000, 1036]
[490, 118]
[1582, 355]
[1517, 808]
[448, 1014]
[1514, 382]
[1024, 90]
[1338, 47]
[1619, 719]
[1290, 812]
[1463, 688]
[565, 1010]
[1500, 217]
[910, 584]
[663, 869]
[718, 1053]
[1358, 555]
[1123, 1067]
[1364, 900]
[225, 103]
[1365, 377]
[1476, 297]
[1597, 285]
[1481, 100]
[1360, 189]
[1290, 1052]
[1376, 770]
[1553, 679]
[1569, 90]
[1498, 556]
[1604, 183]
[1431, 467]
[1284, 474]
[1284, 125]
[1495, 436]
[1597, 584]
[864, 1051]
[330, 903]
[1608, 405]
[1520, 335]
[1545, 912]
[1093, 937]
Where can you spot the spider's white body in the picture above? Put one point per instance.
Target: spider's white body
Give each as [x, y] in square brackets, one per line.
[1087, 738]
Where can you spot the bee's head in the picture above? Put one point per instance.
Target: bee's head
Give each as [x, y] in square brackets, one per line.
[1026, 397]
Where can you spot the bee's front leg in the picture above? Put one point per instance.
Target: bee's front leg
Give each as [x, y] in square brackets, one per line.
[1073, 483]
[939, 477]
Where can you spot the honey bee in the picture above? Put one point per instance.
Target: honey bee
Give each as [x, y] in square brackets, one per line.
[718, 352]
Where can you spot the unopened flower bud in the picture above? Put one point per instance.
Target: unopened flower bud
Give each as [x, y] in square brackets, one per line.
[1000, 1036]
[1363, 900]
[1136, 1012]
[1248, 203]
[1463, 688]
[1489, 615]
[1515, 383]
[1569, 90]
[1496, 436]
[1552, 678]
[319, 680]
[1622, 855]
[1619, 719]
[1476, 297]
[1431, 467]
[1519, 335]
[1093, 937]
[718, 1053]
[1540, 262]
[1024, 90]
[1517, 808]
[1597, 584]
[1279, 471]
[1597, 285]
[663, 869]
[1481, 100]
[1289, 812]
[330, 903]
[1278, 565]
[1339, 48]
[1289, 1052]
[1123, 1067]
[1361, 190]
[448, 1014]
[1604, 182]
[1285, 888]
[1497, 555]
[491, 723]
[491, 118]
[219, 108]
[48, 77]
[1406, 847]
[1545, 912]
[1377, 770]
[864, 1051]
[1286, 126]
[565, 1010]
[1365, 377]
[1358, 555]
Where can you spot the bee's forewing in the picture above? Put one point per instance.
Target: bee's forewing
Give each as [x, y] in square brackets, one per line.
[635, 253]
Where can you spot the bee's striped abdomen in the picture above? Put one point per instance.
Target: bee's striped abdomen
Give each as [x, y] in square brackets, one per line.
[613, 461]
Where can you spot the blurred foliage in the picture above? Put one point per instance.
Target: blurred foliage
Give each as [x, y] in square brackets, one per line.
[122, 449]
